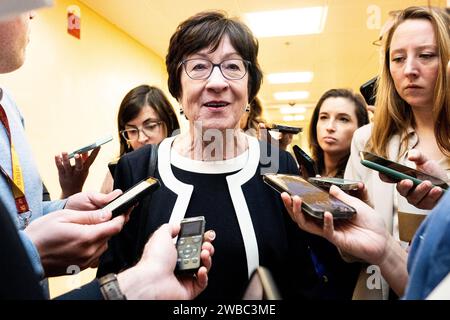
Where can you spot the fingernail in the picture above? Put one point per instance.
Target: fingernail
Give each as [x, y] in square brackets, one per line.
[211, 235]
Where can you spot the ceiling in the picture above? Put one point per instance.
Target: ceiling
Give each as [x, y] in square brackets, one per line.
[342, 56]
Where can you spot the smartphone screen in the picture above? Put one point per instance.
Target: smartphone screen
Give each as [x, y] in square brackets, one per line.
[307, 164]
[315, 201]
[398, 171]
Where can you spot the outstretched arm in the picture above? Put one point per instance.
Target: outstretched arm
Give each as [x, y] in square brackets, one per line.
[364, 236]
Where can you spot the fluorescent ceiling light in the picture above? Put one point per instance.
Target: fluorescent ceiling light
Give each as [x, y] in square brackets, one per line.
[292, 110]
[290, 77]
[287, 22]
[298, 117]
[291, 95]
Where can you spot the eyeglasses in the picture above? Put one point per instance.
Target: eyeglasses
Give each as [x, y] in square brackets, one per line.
[148, 130]
[201, 69]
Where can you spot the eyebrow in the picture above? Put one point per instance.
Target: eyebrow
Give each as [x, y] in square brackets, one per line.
[225, 57]
[146, 121]
[339, 114]
[422, 47]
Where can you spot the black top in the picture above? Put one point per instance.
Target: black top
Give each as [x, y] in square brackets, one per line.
[283, 248]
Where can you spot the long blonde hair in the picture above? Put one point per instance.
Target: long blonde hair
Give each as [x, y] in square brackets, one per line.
[393, 115]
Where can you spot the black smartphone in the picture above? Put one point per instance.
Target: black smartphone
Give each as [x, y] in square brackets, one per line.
[327, 182]
[91, 146]
[315, 200]
[132, 196]
[261, 286]
[283, 128]
[307, 165]
[189, 244]
[112, 166]
[397, 171]
[368, 91]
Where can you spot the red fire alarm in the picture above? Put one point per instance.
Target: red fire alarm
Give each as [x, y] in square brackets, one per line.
[74, 21]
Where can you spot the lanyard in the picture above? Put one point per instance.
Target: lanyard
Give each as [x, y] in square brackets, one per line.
[16, 182]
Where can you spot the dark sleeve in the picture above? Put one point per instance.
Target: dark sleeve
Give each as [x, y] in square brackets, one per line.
[291, 164]
[122, 251]
[18, 278]
[90, 291]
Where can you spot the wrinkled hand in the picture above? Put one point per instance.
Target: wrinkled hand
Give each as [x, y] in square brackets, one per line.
[90, 200]
[67, 237]
[72, 177]
[364, 236]
[153, 277]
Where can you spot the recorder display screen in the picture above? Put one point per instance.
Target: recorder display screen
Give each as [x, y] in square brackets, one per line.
[191, 229]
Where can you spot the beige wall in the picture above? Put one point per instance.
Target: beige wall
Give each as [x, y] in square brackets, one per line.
[69, 91]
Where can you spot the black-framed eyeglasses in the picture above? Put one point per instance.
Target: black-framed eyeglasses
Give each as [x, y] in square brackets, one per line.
[201, 69]
[148, 130]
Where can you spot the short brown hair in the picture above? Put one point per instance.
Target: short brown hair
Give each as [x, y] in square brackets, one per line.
[206, 30]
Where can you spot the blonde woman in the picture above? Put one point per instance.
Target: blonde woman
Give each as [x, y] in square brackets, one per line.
[411, 124]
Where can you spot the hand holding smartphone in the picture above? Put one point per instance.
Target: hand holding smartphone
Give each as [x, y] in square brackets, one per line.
[91, 146]
[132, 196]
[398, 172]
[315, 201]
[189, 245]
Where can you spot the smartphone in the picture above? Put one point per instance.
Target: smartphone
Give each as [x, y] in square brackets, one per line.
[398, 172]
[91, 146]
[261, 286]
[189, 244]
[368, 91]
[132, 196]
[327, 182]
[284, 129]
[307, 164]
[315, 201]
[112, 166]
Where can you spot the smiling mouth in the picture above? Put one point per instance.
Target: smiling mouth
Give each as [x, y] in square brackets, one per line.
[216, 104]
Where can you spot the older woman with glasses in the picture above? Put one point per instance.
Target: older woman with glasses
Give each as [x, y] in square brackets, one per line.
[215, 170]
[145, 117]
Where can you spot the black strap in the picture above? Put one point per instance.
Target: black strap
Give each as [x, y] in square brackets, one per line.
[142, 234]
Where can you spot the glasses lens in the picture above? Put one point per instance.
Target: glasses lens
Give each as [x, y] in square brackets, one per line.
[151, 128]
[233, 69]
[130, 134]
[198, 68]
